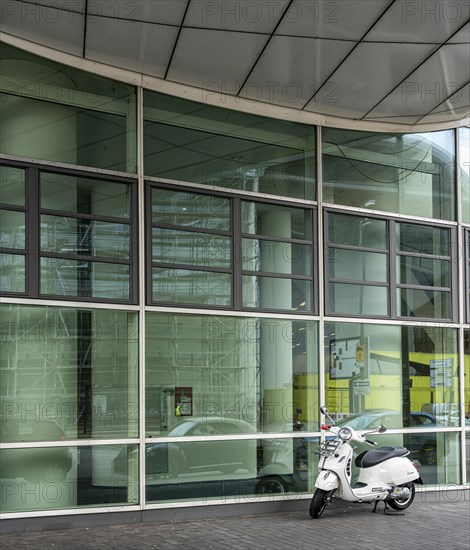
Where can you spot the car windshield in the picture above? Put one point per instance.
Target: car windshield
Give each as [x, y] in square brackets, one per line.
[181, 429]
[357, 422]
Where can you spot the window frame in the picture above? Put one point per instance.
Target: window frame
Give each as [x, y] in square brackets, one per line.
[236, 269]
[33, 214]
[393, 255]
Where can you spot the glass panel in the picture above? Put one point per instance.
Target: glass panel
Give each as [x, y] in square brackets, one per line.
[276, 221]
[277, 293]
[12, 273]
[85, 195]
[189, 286]
[196, 142]
[391, 375]
[12, 185]
[247, 469]
[190, 247]
[277, 257]
[413, 270]
[67, 373]
[357, 266]
[464, 168]
[58, 113]
[421, 239]
[12, 229]
[243, 374]
[88, 237]
[404, 173]
[85, 279]
[423, 303]
[190, 209]
[357, 231]
[66, 477]
[358, 299]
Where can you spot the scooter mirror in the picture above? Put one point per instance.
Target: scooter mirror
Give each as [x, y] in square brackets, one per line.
[381, 429]
[323, 410]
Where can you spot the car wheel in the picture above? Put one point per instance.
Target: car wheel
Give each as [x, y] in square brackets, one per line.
[271, 485]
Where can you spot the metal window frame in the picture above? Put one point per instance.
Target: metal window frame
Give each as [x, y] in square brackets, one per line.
[236, 235]
[33, 212]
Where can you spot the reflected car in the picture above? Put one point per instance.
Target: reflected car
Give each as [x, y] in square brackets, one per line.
[35, 464]
[174, 458]
[422, 446]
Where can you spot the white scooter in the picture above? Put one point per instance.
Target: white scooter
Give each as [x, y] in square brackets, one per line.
[385, 474]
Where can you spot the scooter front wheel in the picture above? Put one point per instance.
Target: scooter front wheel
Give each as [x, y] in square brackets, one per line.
[319, 502]
[403, 503]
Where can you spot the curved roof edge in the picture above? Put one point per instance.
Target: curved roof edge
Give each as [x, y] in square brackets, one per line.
[219, 99]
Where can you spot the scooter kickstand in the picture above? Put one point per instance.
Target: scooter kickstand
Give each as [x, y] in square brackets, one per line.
[387, 511]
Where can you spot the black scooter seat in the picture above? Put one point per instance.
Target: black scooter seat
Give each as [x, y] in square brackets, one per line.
[372, 458]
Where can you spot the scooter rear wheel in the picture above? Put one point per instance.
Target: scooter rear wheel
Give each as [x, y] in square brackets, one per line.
[318, 503]
[402, 504]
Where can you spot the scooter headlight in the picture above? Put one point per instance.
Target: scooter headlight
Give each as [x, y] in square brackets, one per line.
[345, 434]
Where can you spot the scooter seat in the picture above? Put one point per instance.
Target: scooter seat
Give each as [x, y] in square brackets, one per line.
[372, 458]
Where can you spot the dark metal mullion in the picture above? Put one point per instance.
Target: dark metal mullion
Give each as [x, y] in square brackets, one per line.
[354, 248]
[423, 256]
[392, 254]
[192, 267]
[360, 282]
[237, 255]
[286, 240]
[148, 245]
[183, 228]
[86, 258]
[83, 216]
[33, 233]
[85, 22]
[18, 251]
[326, 263]
[424, 287]
[134, 248]
[277, 275]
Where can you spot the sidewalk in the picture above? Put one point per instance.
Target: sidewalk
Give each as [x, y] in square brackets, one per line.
[435, 521]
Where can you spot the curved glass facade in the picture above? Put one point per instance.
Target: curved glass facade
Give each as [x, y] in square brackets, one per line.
[170, 329]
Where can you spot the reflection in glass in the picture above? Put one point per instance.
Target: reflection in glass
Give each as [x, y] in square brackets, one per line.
[260, 372]
[195, 142]
[416, 270]
[358, 299]
[423, 239]
[12, 229]
[248, 469]
[85, 195]
[191, 248]
[12, 273]
[66, 477]
[404, 173]
[12, 185]
[356, 265]
[193, 286]
[276, 257]
[74, 374]
[357, 231]
[432, 304]
[84, 279]
[65, 235]
[59, 113]
[292, 295]
[464, 169]
[273, 220]
[194, 210]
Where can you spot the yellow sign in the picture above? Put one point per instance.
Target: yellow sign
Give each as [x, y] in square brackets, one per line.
[359, 353]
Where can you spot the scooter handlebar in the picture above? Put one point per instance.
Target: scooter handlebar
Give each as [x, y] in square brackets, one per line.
[373, 443]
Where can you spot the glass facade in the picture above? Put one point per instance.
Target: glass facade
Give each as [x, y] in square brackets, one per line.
[169, 338]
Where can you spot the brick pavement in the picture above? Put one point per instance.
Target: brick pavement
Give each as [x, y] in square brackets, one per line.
[435, 521]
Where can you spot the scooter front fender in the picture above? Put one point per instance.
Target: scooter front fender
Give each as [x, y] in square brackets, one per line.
[327, 480]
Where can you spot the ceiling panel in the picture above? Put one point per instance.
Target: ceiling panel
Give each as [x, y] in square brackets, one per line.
[54, 28]
[461, 37]
[258, 16]
[423, 21]
[291, 69]
[136, 46]
[165, 12]
[223, 58]
[341, 19]
[50, 6]
[428, 86]
[367, 75]
[455, 108]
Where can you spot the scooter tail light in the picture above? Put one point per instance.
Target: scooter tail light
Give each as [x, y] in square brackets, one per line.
[417, 466]
[325, 427]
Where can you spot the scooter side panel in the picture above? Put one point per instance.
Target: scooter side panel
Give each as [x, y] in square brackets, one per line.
[394, 471]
